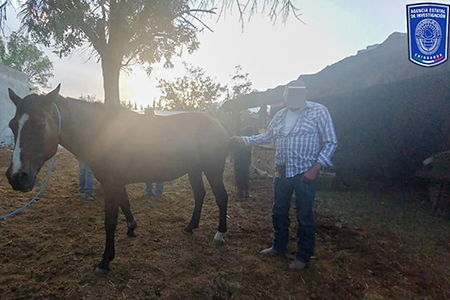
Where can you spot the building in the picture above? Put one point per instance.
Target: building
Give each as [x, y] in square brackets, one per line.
[18, 82]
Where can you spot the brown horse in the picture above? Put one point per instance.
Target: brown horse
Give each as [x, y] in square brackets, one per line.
[121, 147]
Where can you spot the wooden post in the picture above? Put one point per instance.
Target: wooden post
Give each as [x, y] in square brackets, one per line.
[237, 121]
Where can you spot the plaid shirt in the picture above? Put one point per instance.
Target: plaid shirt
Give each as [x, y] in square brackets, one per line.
[312, 139]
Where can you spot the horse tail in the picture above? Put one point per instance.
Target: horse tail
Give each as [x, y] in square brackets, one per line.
[241, 156]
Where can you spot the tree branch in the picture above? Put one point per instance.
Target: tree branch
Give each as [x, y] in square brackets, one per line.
[128, 60]
[3, 14]
[193, 10]
[132, 56]
[98, 44]
[141, 40]
[200, 21]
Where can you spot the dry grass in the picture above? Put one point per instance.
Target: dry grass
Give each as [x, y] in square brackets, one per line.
[371, 246]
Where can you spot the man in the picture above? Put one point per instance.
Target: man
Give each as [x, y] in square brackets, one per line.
[85, 181]
[305, 140]
[159, 187]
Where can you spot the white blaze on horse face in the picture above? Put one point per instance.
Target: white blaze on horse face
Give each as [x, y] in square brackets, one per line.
[16, 163]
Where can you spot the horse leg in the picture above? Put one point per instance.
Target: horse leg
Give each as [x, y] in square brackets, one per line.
[215, 179]
[198, 188]
[111, 213]
[126, 208]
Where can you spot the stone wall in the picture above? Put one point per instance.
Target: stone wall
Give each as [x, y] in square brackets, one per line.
[18, 82]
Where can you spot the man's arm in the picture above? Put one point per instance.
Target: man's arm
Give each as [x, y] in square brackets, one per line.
[329, 141]
[264, 138]
[328, 138]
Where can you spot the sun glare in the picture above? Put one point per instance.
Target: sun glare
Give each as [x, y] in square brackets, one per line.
[138, 87]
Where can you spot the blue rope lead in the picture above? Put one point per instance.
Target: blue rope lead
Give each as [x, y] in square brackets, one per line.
[35, 197]
[46, 179]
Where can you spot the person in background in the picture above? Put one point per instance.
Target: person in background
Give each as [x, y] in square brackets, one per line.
[85, 181]
[242, 161]
[159, 187]
[305, 140]
[149, 189]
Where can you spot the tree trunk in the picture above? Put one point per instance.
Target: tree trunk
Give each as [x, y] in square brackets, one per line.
[111, 66]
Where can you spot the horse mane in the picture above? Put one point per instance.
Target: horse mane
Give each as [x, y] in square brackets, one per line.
[83, 105]
[96, 112]
[91, 120]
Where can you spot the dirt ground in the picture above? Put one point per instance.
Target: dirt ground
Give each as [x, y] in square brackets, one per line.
[370, 245]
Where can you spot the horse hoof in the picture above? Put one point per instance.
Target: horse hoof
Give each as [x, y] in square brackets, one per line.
[101, 272]
[218, 238]
[188, 231]
[219, 242]
[132, 234]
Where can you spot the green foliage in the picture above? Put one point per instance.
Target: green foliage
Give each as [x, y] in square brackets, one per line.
[138, 31]
[90, 98]
[193, 91]
[126, 104]
[123, 32]
[273, 8]
[120, 33]
[2, 50]
[240, 85]
[197, 91]
[129, 105]
[18, 53]
[141, 31]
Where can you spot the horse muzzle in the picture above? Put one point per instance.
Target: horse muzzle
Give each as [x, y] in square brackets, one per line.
[21, 181]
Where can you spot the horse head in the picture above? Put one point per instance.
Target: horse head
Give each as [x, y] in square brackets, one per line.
[36, 135]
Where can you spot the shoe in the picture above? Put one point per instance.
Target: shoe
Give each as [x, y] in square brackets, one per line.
[147, 195]
[298, 265]
[88, 197]
[271, 252]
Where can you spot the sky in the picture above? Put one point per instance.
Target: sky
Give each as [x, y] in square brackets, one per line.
[272, 54]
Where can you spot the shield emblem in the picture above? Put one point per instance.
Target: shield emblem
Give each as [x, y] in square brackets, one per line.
[427, 33]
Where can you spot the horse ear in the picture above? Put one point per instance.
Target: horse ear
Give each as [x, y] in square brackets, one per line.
[14, 98]
[53, 95]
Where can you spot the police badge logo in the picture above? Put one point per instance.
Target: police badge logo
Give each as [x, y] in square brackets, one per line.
[428, 33]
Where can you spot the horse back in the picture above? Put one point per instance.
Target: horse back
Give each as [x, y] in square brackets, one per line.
[202, 136]
[166, 147]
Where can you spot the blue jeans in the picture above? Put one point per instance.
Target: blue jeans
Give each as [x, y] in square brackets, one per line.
[304, 199]
[85, 178]
[158, 188]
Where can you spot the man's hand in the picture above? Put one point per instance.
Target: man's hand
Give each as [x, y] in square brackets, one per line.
[237, 140]
[312, 174]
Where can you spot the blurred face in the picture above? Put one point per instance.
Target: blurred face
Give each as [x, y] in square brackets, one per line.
[295, 97]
